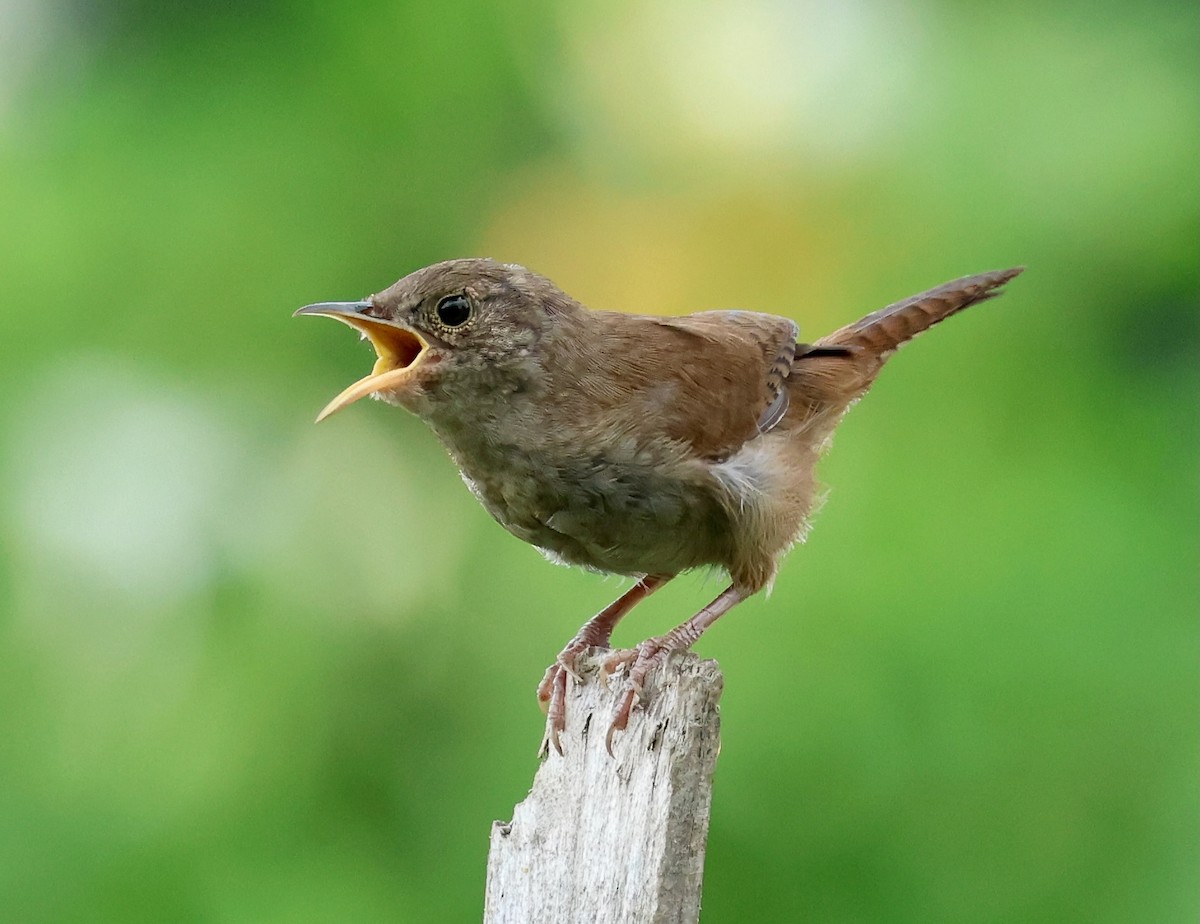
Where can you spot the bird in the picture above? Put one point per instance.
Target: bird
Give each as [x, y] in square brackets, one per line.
[629, 444]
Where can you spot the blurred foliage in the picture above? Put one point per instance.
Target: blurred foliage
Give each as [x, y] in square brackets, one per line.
[260, 671]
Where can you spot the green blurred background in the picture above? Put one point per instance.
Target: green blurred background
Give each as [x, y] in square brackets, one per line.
[260, 671]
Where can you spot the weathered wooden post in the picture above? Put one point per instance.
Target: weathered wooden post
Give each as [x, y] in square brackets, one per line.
[615, 840]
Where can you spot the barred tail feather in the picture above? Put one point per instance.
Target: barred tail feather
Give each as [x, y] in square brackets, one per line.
[880, 333]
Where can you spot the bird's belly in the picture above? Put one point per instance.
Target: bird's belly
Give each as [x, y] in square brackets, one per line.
[637, 516]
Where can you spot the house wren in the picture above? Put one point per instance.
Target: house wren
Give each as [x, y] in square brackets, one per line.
[628, 444]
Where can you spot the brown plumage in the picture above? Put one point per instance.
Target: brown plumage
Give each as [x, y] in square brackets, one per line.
[633, 444]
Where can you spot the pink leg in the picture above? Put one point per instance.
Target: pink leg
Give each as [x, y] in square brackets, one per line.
[595, 633]
[650, 653]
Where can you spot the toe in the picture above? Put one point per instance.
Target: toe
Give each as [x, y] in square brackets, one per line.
[617, 660]
[568, 660]
[621, 717]
[555, 706]
[545, 688]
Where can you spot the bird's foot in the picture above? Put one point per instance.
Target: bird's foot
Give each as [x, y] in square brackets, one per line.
[637, 663]
[593, 634]
[552, 692]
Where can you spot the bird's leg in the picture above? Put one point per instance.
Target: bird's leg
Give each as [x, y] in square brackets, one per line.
[645, 657]
[595, 633]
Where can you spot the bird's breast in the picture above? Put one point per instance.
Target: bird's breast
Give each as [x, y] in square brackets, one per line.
[612, 505]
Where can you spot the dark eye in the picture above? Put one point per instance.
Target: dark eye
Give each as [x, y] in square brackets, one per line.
[453, 310]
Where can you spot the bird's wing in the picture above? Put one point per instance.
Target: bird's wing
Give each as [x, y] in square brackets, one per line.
[710, 381]
[730, 368]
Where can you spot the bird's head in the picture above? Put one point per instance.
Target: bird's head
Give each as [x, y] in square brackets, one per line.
[468, 323]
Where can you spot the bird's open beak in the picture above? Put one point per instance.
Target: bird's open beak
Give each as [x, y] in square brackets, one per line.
[398, 348]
